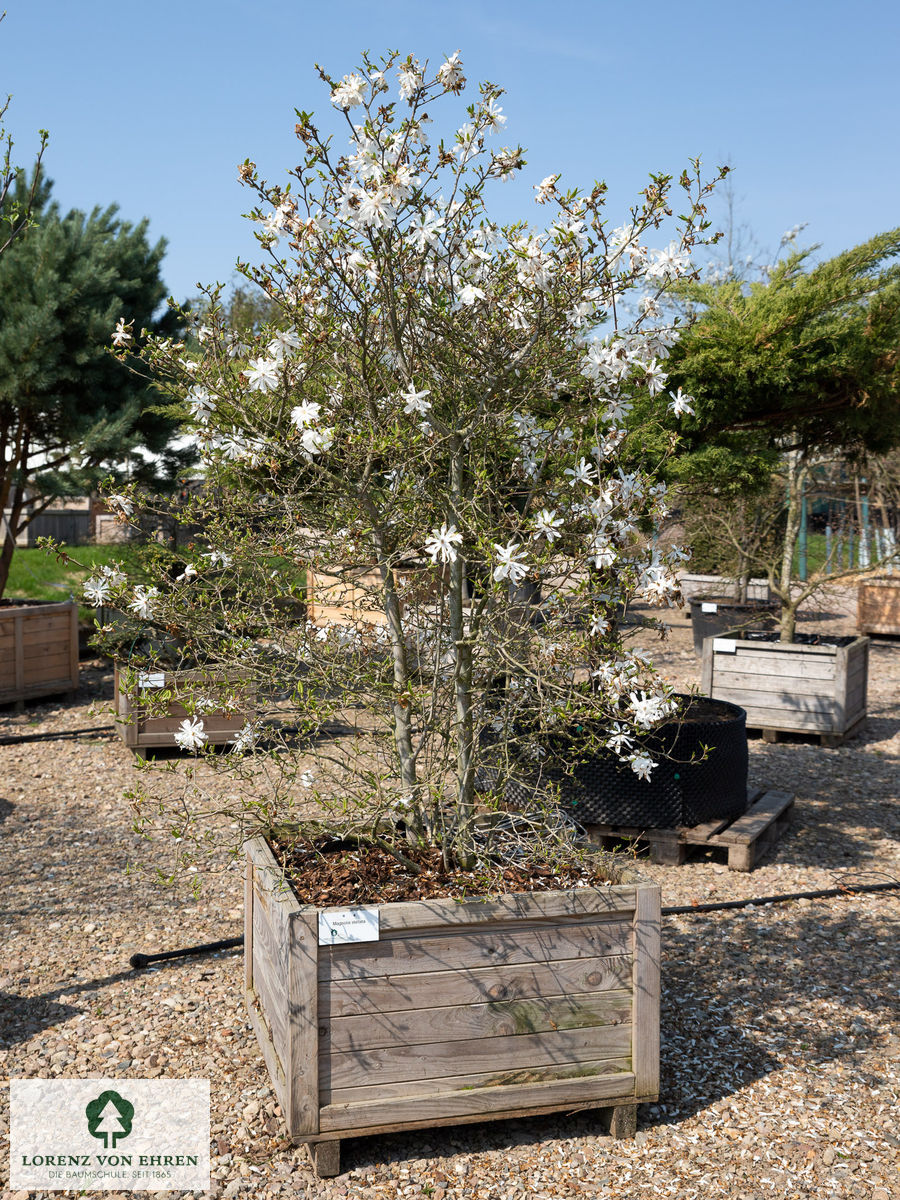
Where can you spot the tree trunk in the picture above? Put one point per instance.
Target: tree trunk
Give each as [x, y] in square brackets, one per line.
[462, 682]
[797, 471]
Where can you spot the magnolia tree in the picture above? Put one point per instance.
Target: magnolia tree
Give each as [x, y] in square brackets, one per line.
[434, 420]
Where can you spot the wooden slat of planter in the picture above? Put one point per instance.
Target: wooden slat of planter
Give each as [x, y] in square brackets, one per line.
[762, 682]
[646, 985]
[777, 699]
[268, 982]
[263, 1032]
[750, 661]
[424, 914]
[497, 1018]
[484, 1079]
[436, 1060]
[476, 1105]
[476, 948]
[353, 997]
[303, 1047]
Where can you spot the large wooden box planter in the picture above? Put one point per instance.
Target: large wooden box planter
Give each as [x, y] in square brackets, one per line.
[460, 1011]
[693, 586]
[38, 650]
[878, 606]
[142, 730]
[790, 686]
[346, 595]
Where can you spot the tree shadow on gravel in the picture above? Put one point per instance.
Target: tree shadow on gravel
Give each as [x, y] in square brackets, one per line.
[7, 808]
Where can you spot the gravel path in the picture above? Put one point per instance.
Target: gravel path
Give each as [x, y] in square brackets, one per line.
[780, 1040]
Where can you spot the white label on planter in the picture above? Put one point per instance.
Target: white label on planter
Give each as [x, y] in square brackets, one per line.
[338, 925]
[150, 679]
[704, 607]
[724, 646]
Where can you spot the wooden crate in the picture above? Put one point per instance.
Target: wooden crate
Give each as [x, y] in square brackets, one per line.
[460, 1011]
[142, 731]
[745, 839]
[788, 687]
[694, 586]
[878, 606]
[38, 650]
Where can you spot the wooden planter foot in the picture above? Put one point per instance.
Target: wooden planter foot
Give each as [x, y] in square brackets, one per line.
[623, 1121]
[326, 1157]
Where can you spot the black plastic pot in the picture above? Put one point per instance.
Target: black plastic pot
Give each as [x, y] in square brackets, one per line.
[685, 788]
[713, 615]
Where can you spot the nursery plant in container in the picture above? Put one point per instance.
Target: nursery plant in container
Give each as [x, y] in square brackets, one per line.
[434, 387]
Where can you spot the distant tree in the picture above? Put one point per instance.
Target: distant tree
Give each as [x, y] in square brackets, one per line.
[71, 413]
[804, 362]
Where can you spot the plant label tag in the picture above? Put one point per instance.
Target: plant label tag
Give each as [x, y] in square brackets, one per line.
[704, 607]
[150, 679]
[338, 925]
[724, 646]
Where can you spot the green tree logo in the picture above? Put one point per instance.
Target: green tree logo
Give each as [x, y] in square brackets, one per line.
[109, 1117]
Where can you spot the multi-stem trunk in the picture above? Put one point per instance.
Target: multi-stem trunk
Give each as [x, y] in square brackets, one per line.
[463, 725]
[401, 707]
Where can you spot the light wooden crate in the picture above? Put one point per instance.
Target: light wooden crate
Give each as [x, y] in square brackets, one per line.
[142, 730]
[38, 650]
[788, 687]
[526, 1004]
[878, 606]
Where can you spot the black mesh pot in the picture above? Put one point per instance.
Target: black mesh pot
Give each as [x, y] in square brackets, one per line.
[603, 791]
[712, 615]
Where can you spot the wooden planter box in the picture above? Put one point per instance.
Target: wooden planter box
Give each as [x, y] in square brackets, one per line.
[38, 650]
[460, 1011]
[790, 687]
[878, 606]
[347, 598]
[693, 586]
[141, 731]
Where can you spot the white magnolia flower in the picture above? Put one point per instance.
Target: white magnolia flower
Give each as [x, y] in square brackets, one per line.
[415, 401]
[245, 739]
[190, 735]
[189, 572]
[582, 472]
[304, 414]
[122, 503]
[143, 603]
[426, 228]
[680, 403]
[218, 558]
[204, 333]
[654, 377]
[620, 738]
[262, 374]
[647, 710]
[547, 524]
[443, 542]
[450, 72]
[409, 77]
[545, 189]
[508, 565]
[350, 92]
[642, 765]
[469, 294]
[122, 333]
[316, 441]
[307, 779]
[200, 403]
[492, 115]
[97, 591]
[283, 341]
[375, 209]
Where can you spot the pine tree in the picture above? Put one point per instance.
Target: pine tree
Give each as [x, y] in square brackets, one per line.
[69, 411]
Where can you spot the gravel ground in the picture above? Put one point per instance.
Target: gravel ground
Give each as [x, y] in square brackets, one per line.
[780, 1044]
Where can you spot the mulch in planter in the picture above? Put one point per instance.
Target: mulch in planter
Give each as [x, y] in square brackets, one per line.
[328, 872]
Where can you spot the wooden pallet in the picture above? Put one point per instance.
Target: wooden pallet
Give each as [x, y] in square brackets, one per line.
[746, 838]
[824, 739]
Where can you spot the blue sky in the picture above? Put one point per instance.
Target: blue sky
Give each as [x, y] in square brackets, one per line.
[153, 106]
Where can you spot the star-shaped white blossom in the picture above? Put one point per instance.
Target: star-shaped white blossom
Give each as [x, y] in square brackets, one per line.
[443, 542]
[509, 566]
[262, 374]
[190, 735]
[415, 401]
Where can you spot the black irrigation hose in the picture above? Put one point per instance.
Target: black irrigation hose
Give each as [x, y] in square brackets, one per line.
[684, 909]
[53, 737]
[140, 961]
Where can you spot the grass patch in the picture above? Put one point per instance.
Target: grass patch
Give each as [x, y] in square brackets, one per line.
[36, 575]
